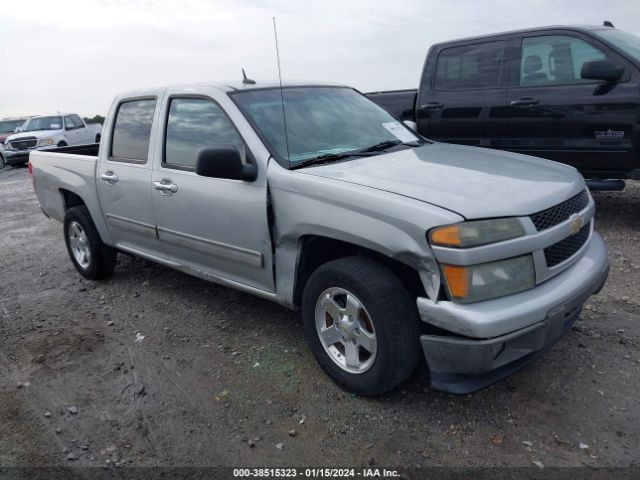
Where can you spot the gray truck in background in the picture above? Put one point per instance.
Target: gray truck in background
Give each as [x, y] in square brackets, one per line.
[392, 246]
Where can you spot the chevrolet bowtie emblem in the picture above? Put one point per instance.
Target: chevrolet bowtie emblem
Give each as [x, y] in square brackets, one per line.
[576, 223]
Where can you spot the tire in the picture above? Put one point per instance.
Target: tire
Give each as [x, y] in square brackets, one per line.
[387, 311]
[91, 257]
[62, 144]
[2, 161]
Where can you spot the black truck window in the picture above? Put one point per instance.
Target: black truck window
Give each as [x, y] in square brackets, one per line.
[555, 59]
[469, 66]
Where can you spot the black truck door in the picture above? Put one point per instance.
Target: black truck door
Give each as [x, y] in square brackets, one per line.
[554, 113]
[463, 91]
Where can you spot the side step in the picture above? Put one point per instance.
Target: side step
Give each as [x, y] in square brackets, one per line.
[605, 185]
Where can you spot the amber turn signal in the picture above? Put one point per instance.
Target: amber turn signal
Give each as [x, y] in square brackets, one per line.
[446, 236]
[457, 279]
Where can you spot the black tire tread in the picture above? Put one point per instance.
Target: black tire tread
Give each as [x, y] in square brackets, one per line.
[103, 257]
[393, 304]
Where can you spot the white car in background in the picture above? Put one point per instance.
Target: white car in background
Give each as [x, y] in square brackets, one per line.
[52, 131]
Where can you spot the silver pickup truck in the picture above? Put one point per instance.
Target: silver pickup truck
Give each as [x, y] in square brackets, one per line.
[316, 198]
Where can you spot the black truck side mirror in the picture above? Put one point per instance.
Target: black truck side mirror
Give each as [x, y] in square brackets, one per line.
[224, 162]
[605, 70]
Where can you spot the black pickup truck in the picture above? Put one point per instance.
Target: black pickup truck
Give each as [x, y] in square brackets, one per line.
[567, 93]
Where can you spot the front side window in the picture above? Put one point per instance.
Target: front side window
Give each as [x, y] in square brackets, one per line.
[69, 123]
[77, 121]
[192, 124]
[321, 121]
[132, 130]
[555, 59]
[470, 66]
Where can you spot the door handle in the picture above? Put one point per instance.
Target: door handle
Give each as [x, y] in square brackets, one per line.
[524, 102]
[431, 106]
[109, 177]
[166, 186]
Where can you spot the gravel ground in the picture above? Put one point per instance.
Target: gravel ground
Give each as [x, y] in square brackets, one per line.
[224, 378]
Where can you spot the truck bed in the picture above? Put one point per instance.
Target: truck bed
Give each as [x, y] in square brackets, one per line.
[64, 175]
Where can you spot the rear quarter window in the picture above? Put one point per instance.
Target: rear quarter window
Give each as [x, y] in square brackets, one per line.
[132, 130]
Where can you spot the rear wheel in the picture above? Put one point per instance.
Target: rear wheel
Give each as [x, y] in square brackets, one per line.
[361, 325]
[91, 257]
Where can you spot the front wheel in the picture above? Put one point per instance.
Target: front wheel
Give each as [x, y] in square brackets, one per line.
[91, 257]
[361, 325]
[2, 161]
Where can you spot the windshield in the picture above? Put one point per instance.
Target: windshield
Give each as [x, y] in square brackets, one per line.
[628, 43]
[321, 121]
[42, 123]
[9, 126]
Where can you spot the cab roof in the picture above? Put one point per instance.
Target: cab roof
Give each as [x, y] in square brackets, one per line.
[575, 28]
[233, 86]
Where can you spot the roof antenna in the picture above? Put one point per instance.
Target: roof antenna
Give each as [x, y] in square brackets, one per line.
[607, 23]
[245, 80]
[284, 115]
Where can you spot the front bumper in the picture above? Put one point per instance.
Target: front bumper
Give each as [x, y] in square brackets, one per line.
[501, 336]
[19, 157]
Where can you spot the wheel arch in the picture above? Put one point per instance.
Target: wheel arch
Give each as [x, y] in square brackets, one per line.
[315, 250]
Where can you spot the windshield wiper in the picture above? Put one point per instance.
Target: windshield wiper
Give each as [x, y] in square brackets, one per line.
[381, 146]
[328, 158]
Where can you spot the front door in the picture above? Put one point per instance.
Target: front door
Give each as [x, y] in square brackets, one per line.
[124, 178]
[215, 227]
[555, 114]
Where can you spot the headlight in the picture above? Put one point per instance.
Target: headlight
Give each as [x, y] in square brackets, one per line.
[489, 280]
[473, 234]
[7, 146]
[45, 141]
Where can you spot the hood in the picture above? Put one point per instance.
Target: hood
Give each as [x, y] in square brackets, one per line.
[473, 182]
[4, 136]
[37, 134]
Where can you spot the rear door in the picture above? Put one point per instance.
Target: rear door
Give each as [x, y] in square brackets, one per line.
[463, 93]
[124, 176]
[215, 227]
[555, 114]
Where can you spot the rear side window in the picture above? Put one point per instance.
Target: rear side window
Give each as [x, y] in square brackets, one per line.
[469, 66]
[555, 59]
[194, 123]
[132, 130]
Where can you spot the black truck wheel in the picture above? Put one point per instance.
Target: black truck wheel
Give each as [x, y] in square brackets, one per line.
[91, 257]
[361, 325]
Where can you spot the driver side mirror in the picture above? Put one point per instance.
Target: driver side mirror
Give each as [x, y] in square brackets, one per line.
[224, 162]
[605, 70]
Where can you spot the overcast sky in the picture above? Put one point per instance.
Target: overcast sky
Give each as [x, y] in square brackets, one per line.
[75, 55]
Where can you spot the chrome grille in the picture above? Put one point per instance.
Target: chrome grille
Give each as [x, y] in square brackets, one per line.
[24, 143]
[564, 249]
[561, 212]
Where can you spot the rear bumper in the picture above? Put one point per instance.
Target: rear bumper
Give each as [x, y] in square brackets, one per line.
[463, 364]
